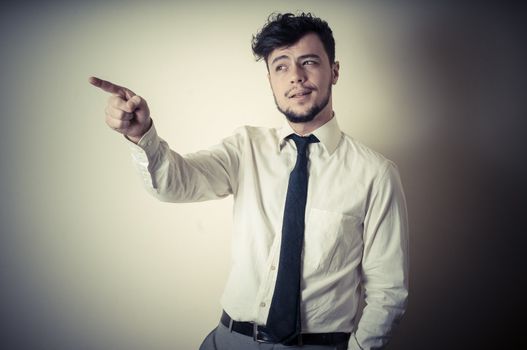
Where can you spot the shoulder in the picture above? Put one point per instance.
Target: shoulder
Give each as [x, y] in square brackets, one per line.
[254, 131]
[255, 134]
[380, 174]
[365, 157]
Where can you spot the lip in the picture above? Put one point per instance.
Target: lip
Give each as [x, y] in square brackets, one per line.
[298, 94]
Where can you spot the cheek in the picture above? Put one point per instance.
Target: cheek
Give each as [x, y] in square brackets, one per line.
[324, 79]
[277, 88]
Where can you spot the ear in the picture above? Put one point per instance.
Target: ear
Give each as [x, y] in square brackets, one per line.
[335, 72]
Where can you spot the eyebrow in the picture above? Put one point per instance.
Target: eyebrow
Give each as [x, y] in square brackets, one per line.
[310, 55]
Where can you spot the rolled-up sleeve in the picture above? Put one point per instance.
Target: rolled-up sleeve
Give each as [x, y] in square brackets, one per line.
[171, 177]
[385, 262]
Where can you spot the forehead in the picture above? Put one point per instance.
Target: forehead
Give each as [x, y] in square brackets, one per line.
[306, 45]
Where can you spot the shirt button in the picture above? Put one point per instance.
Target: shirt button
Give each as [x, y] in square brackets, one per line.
[149, 143]
[273, 268]
[262, 304]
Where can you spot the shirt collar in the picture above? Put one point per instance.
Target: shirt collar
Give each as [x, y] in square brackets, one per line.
[329, 134]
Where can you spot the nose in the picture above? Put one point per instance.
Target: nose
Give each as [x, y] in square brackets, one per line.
[297, 74]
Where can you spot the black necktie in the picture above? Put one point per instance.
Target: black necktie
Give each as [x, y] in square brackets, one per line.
[283, 322]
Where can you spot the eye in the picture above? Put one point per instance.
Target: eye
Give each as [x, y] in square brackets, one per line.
[280, 67]
[309, 62]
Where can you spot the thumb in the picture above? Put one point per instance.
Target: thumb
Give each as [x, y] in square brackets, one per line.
[126, 93]
[134, 102]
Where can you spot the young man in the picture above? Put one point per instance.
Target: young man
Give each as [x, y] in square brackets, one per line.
[317, 215]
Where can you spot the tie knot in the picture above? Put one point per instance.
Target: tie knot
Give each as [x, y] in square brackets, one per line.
[302, 141]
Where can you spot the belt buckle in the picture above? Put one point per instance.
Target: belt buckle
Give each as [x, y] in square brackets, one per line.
[255, 334]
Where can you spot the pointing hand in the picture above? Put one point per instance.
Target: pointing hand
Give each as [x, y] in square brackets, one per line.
[126, 112]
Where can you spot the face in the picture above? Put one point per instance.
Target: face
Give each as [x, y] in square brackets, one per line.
[301, 77]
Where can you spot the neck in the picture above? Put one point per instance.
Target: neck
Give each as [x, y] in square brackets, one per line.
[322, 118]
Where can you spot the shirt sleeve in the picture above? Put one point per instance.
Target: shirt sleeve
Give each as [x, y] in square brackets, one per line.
[384, 262]
[171, 177]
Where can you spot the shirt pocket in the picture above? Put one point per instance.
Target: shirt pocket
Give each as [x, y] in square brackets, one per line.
[331, 240]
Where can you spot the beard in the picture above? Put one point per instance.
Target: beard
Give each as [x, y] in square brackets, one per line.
[307, 116]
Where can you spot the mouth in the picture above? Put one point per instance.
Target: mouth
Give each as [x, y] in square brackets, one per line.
[300, 93]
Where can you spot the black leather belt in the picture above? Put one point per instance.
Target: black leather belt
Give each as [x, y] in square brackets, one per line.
[260, 334]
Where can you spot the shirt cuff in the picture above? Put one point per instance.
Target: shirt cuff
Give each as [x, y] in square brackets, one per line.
[148, 143]
[142, 152]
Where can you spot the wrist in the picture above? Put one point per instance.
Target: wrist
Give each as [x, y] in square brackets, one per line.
[137, 137]
[134, 139]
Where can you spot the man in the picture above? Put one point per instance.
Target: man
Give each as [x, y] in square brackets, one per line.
[317, 215]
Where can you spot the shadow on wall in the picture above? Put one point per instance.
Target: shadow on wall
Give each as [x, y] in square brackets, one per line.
[466, 181]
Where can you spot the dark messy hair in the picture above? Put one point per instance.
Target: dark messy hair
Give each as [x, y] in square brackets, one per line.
[286, 29]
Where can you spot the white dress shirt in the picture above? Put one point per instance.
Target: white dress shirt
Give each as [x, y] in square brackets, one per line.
[356, 226]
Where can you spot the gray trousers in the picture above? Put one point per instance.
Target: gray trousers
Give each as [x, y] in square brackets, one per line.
[222, 339]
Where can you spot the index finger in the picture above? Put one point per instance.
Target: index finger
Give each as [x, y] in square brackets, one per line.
[111, 87]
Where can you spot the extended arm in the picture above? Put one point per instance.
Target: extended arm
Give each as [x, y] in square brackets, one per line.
[171, 177]
[168, 175]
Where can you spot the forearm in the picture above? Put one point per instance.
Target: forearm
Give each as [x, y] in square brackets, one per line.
[380, 317]
[172, 177]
